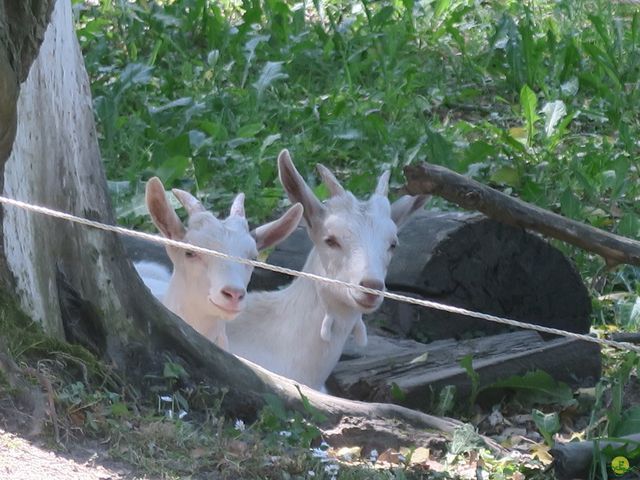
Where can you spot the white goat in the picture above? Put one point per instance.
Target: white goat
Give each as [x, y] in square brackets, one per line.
[206, 291]
[300, 331]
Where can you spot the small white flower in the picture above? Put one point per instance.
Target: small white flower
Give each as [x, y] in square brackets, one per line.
[166, 398]
[285, 433]
[311, 473]
[239, 425]
[182, 414]
[319, 453]
[373, 456]
[332, 469]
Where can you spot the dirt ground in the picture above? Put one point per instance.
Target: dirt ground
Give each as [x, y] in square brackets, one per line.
[22, 459]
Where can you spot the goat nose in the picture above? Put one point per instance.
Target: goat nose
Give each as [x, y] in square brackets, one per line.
[233, 294]
[374, 284]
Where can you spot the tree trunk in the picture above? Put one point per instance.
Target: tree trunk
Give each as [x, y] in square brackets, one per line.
[77, 282]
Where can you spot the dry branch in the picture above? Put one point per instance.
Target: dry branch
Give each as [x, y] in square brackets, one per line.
[472, 195]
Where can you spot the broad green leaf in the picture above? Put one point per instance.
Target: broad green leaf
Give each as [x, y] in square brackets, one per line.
[634, 315]
[197, 139]
[570, 205]
[570, 87]
[119, 409]
[396, 393]
[271, 72]
[553, 113]
[212, 57]
[173, 370]
[250, 130]
[383, 17]
[270, 140]
[547, 423]
[529, 105]
[630, 422]
[215, 130]
[519, 134]
[173, 168]
[439, 149]
[507, 176]
[441, 7]
[446, 399]
[478, 152]
[629, 226]
[252, 44]
[179, 102]
[135, 73]
[537, 387]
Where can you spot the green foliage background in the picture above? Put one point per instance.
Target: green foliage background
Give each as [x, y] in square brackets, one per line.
[539, 99]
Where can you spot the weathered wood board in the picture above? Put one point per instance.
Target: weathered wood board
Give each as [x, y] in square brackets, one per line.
[420, 370]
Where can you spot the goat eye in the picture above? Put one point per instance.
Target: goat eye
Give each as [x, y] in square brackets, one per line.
[190, 254]
[332, 242]
[393, 245]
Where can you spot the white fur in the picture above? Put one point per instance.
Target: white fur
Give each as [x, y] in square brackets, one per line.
[156, 277]
[206, 291]
[300, 332]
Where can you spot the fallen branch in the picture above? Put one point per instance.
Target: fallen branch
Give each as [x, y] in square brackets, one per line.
[472, 195]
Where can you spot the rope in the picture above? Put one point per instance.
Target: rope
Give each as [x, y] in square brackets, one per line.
[317, 278]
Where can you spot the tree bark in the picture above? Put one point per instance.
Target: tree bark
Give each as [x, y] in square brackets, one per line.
[471, 195]
[77, 282]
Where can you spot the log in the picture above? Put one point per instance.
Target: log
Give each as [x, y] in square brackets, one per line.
[420, 370]
[574, 459]
[470, 261]
[472, 195]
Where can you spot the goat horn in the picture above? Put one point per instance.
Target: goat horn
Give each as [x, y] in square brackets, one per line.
[335, 189]
[190, 203]
[237, 207]
[383, 184]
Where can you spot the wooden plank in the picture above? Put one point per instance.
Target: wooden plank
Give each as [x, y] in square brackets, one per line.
[420, 370]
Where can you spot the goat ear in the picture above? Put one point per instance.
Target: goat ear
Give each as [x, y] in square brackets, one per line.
[298, 191]
[405, 206]
[162, 214]
[382, 188]
[190, 203]
[274, 232]
[237, 207]
[331, 182]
